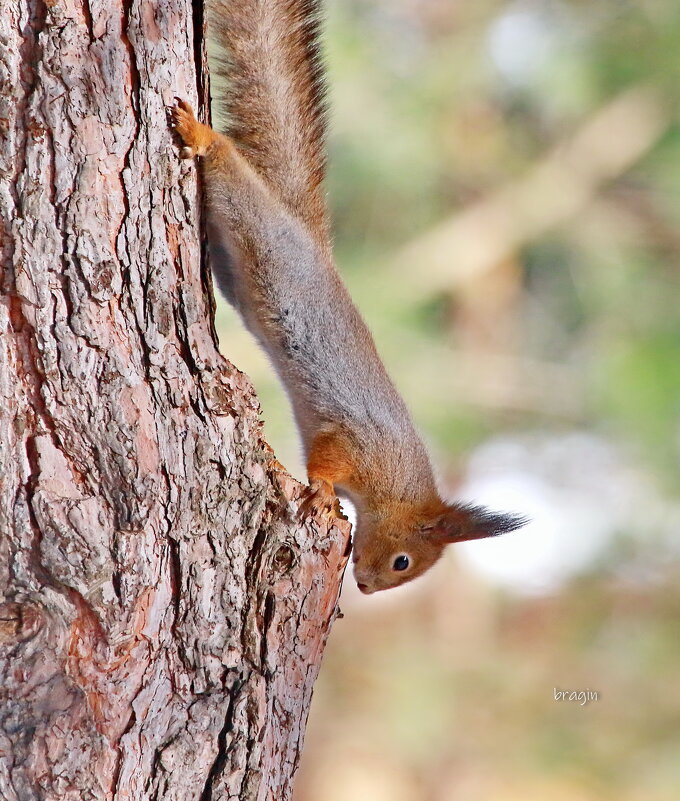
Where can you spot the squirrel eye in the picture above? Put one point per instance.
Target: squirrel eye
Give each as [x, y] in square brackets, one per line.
[401, 562]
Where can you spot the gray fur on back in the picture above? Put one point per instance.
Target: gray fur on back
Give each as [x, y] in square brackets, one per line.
[292, 299]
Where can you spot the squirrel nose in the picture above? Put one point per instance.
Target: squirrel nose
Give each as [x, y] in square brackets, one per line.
[364, 588]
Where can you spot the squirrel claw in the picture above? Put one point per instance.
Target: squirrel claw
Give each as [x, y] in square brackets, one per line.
[187, 127]
[319, 499]
[183, 105]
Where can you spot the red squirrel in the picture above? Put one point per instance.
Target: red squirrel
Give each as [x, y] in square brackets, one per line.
[268, 232]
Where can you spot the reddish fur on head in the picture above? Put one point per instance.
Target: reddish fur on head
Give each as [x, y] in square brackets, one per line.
[419, 535]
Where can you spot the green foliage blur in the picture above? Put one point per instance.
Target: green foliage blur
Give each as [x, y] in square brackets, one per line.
[441, 109]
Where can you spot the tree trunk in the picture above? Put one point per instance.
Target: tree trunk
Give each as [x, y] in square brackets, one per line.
[162, 612]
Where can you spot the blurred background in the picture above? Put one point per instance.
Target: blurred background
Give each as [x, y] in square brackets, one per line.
[505, 187]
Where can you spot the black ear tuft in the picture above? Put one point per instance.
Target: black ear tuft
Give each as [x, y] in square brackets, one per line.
[466, 522]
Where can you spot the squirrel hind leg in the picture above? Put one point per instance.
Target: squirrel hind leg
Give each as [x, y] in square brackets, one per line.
[328, 463]
[194, 136]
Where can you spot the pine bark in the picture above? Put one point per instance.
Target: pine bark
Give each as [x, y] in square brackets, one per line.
[162, 611]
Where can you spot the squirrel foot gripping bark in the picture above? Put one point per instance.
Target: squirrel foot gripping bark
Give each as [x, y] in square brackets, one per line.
[195, 136]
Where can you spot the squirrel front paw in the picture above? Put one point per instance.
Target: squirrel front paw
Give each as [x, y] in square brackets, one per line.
[194, 136]
[319, 499]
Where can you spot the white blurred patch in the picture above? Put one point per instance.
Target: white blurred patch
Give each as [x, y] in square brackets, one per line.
[563, 536]
[578, 495]
[526, 36]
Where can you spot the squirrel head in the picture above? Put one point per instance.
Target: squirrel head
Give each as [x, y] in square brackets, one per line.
[400, 544]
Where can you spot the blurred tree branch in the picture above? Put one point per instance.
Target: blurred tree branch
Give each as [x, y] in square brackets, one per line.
[475, 241]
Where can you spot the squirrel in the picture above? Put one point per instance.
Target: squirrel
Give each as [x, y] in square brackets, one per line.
[269, 238]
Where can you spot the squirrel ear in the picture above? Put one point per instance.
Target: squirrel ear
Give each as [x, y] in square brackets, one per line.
[462, 522]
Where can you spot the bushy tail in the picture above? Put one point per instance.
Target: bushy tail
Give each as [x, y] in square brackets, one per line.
[274, 96]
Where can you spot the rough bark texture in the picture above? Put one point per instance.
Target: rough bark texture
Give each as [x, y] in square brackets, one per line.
[162, 613]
